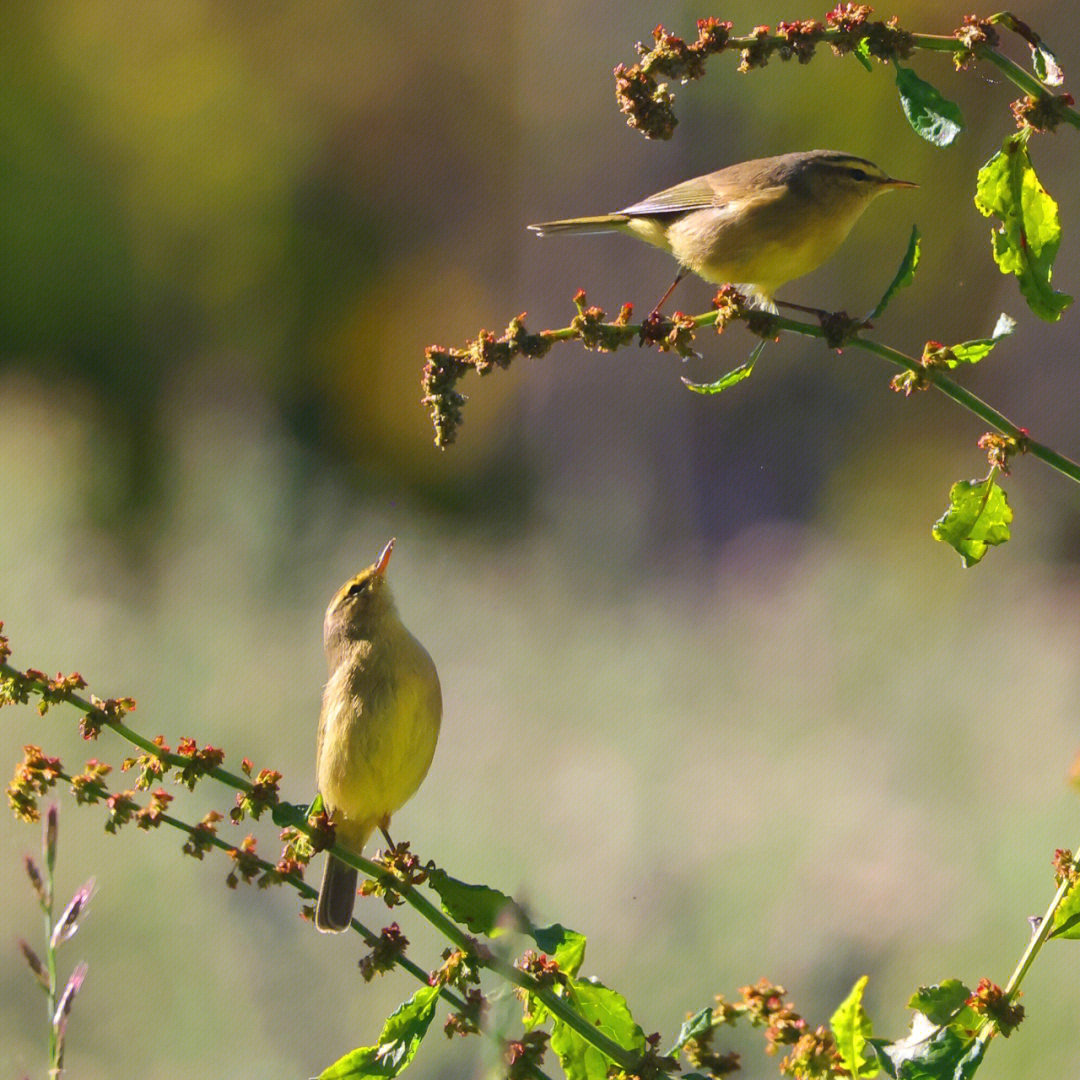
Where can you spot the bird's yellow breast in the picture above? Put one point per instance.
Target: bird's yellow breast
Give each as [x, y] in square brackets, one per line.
[377, 733]
[759, 240]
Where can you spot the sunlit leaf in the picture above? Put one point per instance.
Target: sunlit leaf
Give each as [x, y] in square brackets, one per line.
[488, 911]
[1026, 240]
[1067, 916]
[853, 1029]
[940, 1003]
[934, 117]
[977, 518]
[697, 1025]
[565, 947]
[743, 371]
[1043, 61]
[969, 1063]
[905, 274]
[971, 352]
[930, 1052]
[1046, 66]
[482, 909]
[605, 1010]
[401, 1037]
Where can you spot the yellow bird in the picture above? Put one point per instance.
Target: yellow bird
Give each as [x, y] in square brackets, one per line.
[758, 224]
[381, 712]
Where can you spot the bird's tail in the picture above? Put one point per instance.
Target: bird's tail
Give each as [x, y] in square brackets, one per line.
[337, 895]
[602, 223]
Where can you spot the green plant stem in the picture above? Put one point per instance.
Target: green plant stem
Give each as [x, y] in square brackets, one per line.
[309, 893]
[1012, 71]
[227, 778]
[305, 890]
[1040, 937]
[1028, 83]
[50, 967]
[556, 1005]
[625, 1058]
[976, 405]
[1038, 940]
[951, 389]
[522, 979]
[933, 42]
[938, 43]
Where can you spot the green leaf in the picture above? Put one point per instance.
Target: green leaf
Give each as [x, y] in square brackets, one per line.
[930, 1052]
[480, 908]
[1067, 916]
[488, 911]
[1043, 60]
[861, 52]
[934, 117]
[904, 275]
[1045, 65]
[852, 1029]
[737, 375]
[881, 1048]
[697, 1025]
[971, 352]
[969, 1063]
[535, 1013]
[977, 518]
[940, 1002]
[398, 1043]
[1027, 239]
[605, 1010]
[565, 947]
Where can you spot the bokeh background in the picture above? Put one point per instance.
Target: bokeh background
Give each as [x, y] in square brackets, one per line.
[714, 696]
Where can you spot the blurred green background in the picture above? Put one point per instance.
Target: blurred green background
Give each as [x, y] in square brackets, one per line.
[713, 695]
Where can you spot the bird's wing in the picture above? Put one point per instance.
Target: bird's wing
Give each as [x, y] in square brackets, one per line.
[712, 190]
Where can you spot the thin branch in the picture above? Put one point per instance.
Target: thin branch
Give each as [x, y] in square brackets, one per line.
[677, 334]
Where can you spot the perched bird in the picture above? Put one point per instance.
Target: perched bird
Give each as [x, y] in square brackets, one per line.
[381, 711]
[758, 224]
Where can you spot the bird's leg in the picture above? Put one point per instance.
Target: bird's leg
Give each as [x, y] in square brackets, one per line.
[819, 312]
[386, 837]
[663, 299]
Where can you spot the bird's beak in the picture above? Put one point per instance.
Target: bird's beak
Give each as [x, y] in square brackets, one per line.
[384, 557]
[890, 182]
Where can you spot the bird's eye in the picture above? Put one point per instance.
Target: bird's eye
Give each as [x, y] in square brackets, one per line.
[858, 174]
[357, 588]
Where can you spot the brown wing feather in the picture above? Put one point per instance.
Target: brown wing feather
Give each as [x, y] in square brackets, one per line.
[716, 189]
